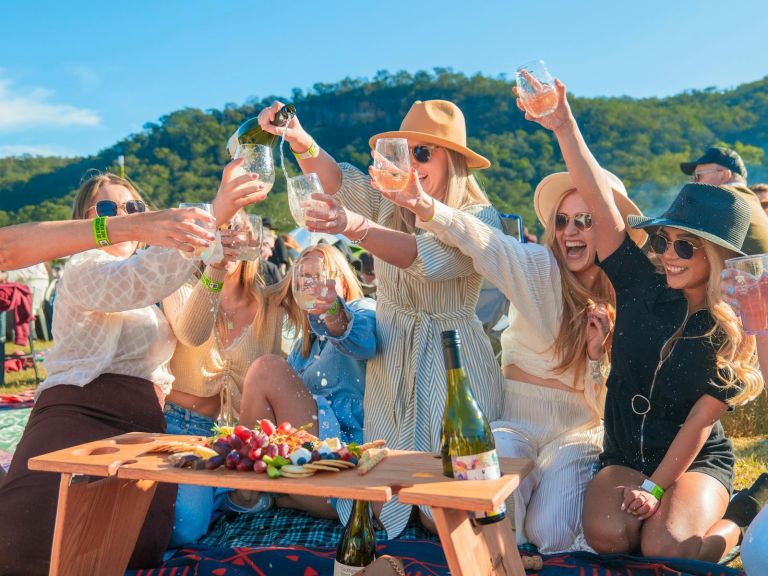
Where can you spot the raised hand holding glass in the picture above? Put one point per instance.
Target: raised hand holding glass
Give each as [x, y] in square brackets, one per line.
[536, 89]
[391, 164]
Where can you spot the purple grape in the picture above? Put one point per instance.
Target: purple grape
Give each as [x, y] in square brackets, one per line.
[283, 450]
[259, 466]
[245, 465]
[215, 461]
[232, 459]
[270, 450]
[222, 447]
[234, 442]
[245, 449]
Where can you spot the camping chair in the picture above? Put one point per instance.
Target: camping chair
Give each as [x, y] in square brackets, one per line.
[32, 353]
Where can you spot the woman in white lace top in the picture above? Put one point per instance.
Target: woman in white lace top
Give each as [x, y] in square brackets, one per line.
[108, 370]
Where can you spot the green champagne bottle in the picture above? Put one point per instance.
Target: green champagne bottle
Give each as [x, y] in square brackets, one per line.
[357, 547]
[250, 132]
[467, 446]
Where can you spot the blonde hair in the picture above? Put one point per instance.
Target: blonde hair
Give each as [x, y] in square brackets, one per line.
[92, 184]
[736, 358]
[337, 267]
[570, 345]
[463, 190]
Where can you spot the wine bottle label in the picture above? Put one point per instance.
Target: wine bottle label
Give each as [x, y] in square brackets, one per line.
[344, 570]
[483, 466]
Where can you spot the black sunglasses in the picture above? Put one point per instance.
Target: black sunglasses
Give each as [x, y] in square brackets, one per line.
[110, 207]
[422, 153]
[582, 220]
[683, 248]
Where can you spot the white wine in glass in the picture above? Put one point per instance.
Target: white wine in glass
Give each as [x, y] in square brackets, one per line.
[200, 251]
[391, 164]
[309, 279]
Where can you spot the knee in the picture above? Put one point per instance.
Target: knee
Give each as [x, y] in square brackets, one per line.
[606, 537]
[264, 368]
[668, 546]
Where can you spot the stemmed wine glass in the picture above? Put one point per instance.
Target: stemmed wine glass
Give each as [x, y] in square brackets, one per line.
[536, 89]
[391, 164]
[257, 159]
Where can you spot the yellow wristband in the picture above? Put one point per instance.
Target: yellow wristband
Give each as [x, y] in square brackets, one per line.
[210, 285]
[312, 152]
[100, 232]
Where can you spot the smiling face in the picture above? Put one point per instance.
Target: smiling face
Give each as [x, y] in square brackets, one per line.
[689, 275]
[120, 195]
[577, 246]
[433, 174]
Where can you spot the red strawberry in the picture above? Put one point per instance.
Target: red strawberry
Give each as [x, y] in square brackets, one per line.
[285, 428]
[243, 433]
[267, 427]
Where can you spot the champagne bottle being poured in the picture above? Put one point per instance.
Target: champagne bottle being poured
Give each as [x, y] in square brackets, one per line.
[250, 132]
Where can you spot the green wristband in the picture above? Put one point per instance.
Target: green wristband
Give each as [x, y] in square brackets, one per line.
[652, 488]
[333, 309]
[100, 231]
[211, 285]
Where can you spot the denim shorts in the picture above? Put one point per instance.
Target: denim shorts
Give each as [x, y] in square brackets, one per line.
[182, 421]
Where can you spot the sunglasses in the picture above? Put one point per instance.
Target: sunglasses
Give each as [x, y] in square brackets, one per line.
[422, 153]
[582, 221]
[683, 248]
[110, 207]
[696, 176]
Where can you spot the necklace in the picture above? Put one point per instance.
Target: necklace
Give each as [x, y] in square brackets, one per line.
[227, 318]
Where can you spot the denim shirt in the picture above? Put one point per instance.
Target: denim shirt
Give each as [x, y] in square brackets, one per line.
[335, 367]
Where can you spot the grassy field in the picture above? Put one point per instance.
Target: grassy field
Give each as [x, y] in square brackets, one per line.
[24, 379]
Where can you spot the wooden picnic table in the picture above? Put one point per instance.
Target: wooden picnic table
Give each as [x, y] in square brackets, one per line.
[107, 485]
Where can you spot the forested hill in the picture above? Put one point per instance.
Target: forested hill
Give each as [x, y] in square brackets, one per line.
[180, 157]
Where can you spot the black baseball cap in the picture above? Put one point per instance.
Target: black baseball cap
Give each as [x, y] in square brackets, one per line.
[724, 157]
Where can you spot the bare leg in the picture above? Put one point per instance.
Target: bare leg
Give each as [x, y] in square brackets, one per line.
[273, 390]
[607, 528]
[688, 522]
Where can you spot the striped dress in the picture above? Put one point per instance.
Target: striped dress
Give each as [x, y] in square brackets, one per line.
[405, 382]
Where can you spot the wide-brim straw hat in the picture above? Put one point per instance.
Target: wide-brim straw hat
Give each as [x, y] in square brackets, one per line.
[551, 190]
[713, 213]
[437, 122]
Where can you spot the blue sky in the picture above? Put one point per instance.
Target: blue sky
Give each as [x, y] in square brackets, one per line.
[77, 75]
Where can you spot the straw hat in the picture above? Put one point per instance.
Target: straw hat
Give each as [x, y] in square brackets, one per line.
[437, 122]
[551, 190]
[713, 213]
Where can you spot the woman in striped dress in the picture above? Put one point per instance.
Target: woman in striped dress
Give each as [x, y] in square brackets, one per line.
[424, 286]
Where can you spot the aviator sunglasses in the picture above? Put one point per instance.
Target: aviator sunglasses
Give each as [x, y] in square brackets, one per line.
[110, 207]
[683, 248]
[422, 153]
[582, 221]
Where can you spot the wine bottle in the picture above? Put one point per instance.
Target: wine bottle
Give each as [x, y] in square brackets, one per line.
[357, 548]
[250, 132]
[467, 446]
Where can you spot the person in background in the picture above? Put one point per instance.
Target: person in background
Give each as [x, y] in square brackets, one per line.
[269, 271]
[761, 191]
[423, 286]
[292, 246]
[108, 367]
[279, 256]
[223, 325]
[679, 360]
[36, 277]
[724, 167]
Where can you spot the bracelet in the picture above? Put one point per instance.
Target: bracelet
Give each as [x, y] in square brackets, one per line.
[210, 285]
[365, 233]
[312, 152]
[652, 488]
[333, 309]
[100, 231]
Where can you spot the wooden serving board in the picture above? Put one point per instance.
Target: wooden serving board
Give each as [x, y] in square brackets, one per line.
[416, 476]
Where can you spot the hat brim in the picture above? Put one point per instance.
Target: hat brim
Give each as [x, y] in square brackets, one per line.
[688, 167]
[643, 222]
[474, 160]
[551, 190]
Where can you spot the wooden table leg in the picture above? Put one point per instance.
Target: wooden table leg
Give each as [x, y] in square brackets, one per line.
[97, 524]
[470, 551]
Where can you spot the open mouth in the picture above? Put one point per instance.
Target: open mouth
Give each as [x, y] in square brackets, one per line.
[674, 270]
[575, 249]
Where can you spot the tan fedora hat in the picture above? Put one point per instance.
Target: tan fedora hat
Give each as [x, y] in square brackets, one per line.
[551, 190]
[437, 122]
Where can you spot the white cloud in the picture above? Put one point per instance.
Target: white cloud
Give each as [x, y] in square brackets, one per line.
[21, 109]
[88, 78]
[34, 150]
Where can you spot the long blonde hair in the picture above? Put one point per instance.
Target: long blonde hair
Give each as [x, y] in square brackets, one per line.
[337, 267]
[737, 356]
[570, 345]
[463, 190]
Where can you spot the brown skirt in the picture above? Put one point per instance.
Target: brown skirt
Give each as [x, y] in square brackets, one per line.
[66, 416]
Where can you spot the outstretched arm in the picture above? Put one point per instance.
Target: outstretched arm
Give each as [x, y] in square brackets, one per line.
[588, 176]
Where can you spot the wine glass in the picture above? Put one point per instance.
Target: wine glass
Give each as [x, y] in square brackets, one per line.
[200, 252]
[300, 190]
[246, 235]
[536, 88]
[257, 159]
[391, 164]
[309, 277]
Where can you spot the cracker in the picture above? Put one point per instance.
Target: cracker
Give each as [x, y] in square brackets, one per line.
[293, 469]
[306, 474]
[323, 467]
[373, 444]
[337, 463]
[370, 459]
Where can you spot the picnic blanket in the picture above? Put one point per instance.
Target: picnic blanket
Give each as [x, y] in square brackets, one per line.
[23, 399]
[419, 558]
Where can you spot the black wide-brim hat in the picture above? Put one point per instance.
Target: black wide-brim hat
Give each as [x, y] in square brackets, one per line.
[713, 213]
